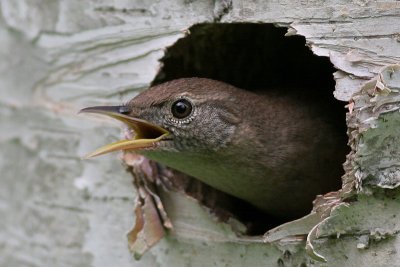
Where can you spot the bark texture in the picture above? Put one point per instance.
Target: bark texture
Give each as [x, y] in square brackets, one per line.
[59, 56]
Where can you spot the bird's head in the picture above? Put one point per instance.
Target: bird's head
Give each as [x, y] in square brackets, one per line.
[185, 115]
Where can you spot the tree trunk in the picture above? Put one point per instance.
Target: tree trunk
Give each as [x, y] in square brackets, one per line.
[57, 57]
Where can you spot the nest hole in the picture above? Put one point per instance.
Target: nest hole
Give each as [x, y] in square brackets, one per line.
[251, 57]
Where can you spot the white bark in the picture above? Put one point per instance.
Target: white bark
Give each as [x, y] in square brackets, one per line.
[59, 56]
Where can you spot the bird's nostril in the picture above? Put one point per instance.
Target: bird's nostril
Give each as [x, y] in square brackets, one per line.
[124, 110]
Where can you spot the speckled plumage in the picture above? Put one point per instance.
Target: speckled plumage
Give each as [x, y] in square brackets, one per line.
[273, 151]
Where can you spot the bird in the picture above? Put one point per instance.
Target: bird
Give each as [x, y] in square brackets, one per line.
[273, 150]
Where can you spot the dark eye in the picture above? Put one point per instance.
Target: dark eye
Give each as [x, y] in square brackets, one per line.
[181, 108]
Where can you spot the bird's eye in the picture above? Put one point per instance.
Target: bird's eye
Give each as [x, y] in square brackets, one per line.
[181, 108]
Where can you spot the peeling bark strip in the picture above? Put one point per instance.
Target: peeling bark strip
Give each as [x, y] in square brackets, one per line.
[377, 119]
[58, 56]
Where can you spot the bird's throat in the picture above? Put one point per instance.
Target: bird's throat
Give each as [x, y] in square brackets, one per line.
[215, 170]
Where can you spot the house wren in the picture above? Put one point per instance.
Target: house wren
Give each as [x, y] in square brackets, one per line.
[274, 151]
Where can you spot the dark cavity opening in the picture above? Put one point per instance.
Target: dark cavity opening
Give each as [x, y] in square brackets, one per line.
[253, 57]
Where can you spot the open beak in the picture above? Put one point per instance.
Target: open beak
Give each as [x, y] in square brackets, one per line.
[146, 133]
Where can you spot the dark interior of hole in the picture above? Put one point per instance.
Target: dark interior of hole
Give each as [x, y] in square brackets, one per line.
[249, 56]
[254, 57]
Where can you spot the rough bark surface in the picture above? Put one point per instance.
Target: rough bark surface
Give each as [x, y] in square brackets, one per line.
[59, 56]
